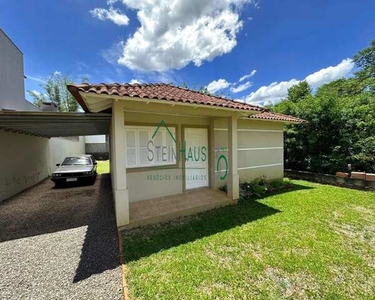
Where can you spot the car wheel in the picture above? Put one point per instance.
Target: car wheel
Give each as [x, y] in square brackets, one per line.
[58, 184]
[93, 179]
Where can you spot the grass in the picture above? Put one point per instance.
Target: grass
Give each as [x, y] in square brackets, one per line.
[312, 242]
[103, 166]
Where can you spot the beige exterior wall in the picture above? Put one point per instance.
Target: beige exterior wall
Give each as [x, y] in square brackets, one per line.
[260, 154]
[141, 184]
[228, 135]
[24, 162]
[260, 148]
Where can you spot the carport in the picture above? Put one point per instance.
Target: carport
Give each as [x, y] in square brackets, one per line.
[28, 153]
[55, 124]
[57, 243]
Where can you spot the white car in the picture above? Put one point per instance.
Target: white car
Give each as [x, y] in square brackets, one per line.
[80, 168]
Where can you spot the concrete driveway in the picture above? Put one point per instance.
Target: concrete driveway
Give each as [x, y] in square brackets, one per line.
[60, 244]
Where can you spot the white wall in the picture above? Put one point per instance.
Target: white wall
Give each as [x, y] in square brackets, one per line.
[140, 186]
[95, 139]
[260, 148]
[12, 86]
[63, 147]
[24, 161]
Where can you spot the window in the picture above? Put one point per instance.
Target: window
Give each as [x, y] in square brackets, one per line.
[145, 148]
[76, 161]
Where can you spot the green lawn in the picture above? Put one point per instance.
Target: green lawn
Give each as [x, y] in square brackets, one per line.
[315, 241]
[103, 166]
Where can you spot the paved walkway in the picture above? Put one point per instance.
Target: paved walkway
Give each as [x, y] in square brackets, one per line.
[60, 244]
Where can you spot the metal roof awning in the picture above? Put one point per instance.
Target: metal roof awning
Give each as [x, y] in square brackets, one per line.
[55, 124]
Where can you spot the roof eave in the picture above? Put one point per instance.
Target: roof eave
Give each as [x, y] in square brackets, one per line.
[76, 94]
[279, 121]
[83, 95]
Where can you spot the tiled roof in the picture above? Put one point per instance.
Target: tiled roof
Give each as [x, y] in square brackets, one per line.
[161, 91]
[276, 117]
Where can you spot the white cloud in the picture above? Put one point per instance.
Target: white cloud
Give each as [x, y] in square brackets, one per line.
[241, 87]
[217, 85]
[174, 33]
[111, 55]
[36, 78]
[220, 84]
[135, 81]
[274, 92]
[113, 14]
[279, 90]
[37, 93]
[248, 76]
[329, 74]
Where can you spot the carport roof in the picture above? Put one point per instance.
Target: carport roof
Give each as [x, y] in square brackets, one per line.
[55, 124]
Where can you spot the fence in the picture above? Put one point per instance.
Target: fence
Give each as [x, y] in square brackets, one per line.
[356, 183]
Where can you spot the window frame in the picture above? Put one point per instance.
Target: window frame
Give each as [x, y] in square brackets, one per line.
[151, 129]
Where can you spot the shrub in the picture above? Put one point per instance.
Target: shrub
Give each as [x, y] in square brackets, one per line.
[259, 187]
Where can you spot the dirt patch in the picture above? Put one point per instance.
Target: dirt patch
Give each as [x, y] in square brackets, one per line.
[280, 283]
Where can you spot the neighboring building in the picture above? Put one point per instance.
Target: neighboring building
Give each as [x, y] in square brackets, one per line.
[98, 146]
[49, 106]
[166, 140]
[25, 159]
[12, 86]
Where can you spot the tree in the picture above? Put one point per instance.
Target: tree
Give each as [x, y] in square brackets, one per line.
[340, 127]
[299, 92]
[56, 92]
[201, 88]
[365, 61]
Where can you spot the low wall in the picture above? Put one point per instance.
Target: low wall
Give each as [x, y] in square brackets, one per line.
[63, 147]
[331, 179]
[26, 160]
[99, 151]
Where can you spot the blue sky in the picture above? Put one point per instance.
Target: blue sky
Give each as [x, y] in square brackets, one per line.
[201, 42]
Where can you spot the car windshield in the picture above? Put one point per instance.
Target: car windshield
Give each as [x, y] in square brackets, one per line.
[81, 161]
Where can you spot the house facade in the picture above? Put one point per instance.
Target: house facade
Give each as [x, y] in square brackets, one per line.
[166, 140]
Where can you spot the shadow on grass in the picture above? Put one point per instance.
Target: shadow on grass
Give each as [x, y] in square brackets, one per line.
[142, 242]
[290, 188]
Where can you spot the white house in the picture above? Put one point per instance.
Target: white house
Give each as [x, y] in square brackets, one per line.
[166, 141]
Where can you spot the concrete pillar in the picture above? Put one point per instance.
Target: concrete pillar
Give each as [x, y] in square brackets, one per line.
[233, 178]
[212, 154]
[118, 171]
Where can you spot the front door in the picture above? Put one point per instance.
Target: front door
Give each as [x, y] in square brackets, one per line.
[196, 155]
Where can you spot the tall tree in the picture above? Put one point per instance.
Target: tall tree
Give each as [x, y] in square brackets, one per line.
[365, 60]
[56, 91]
[299, 91]
[340, 127]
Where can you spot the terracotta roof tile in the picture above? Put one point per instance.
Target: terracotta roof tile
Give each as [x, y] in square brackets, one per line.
[165, 92]
[276, 117]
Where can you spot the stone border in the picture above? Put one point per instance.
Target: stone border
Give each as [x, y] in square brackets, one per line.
[348, 182]
[125, 289]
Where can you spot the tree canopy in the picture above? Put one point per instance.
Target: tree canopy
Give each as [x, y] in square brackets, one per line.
[55, 91]
[340, 127]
